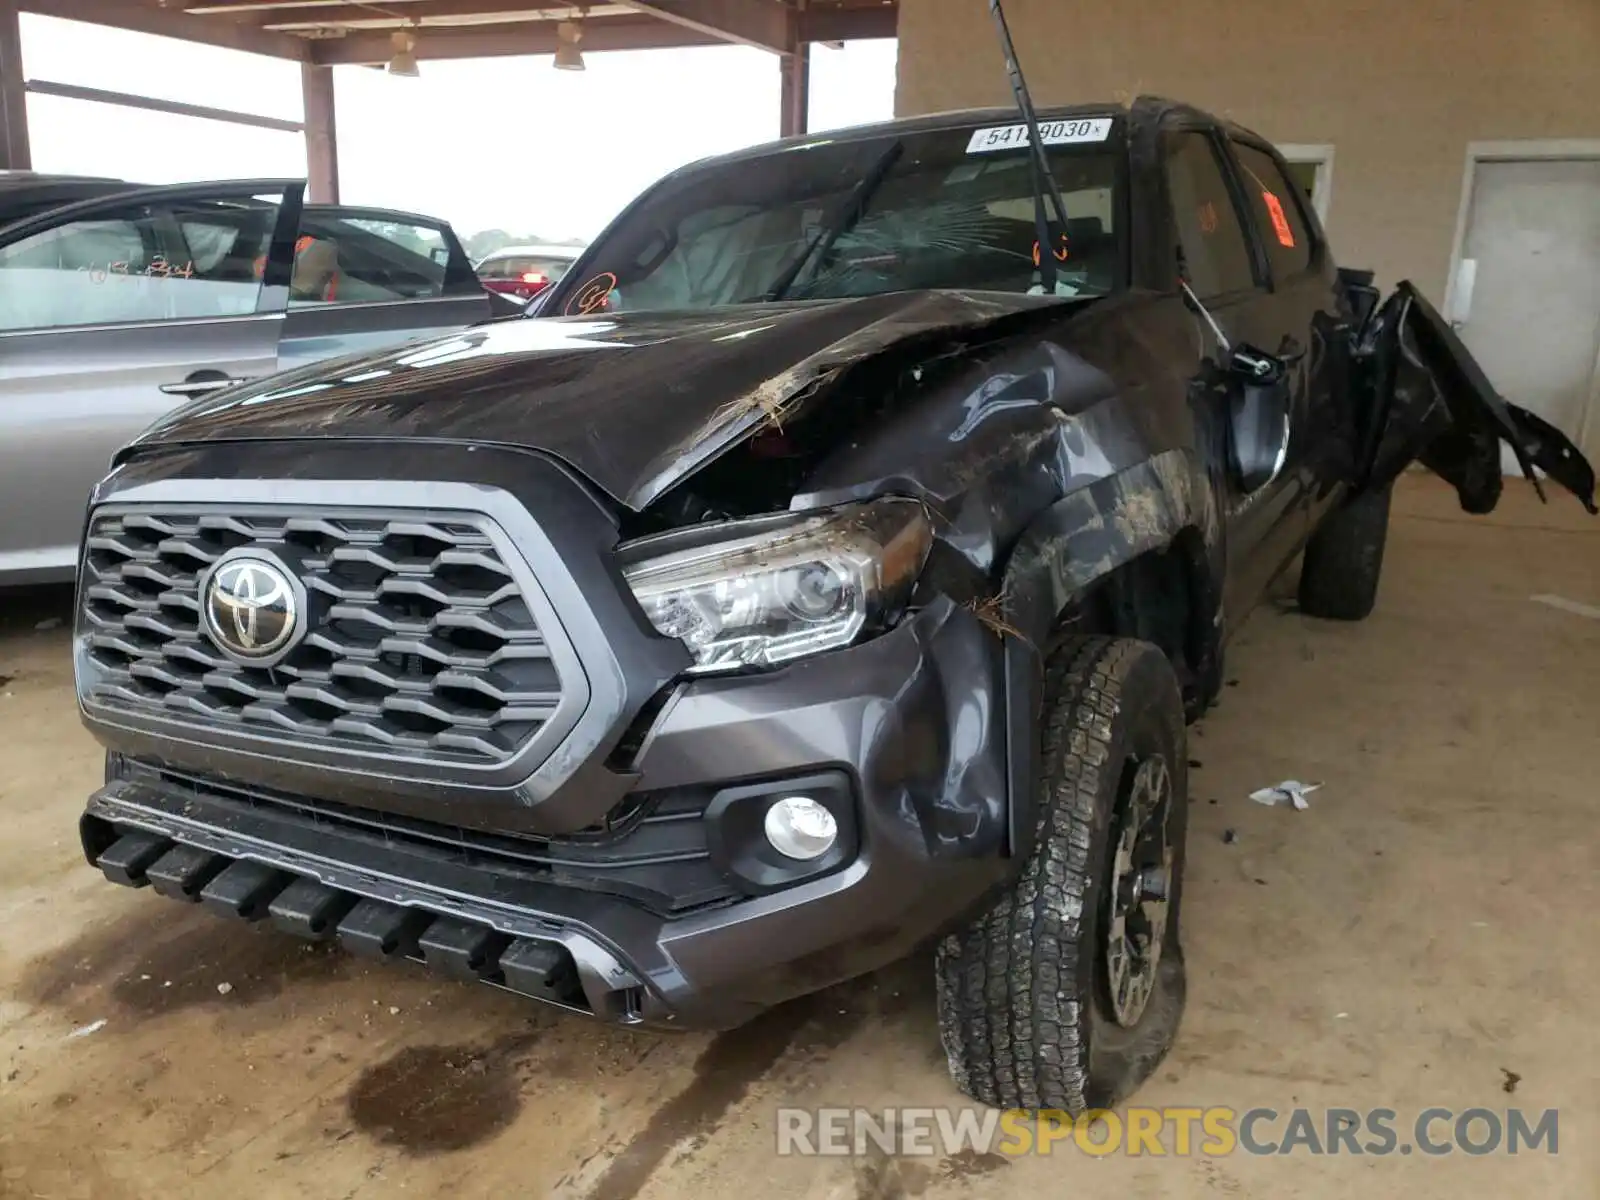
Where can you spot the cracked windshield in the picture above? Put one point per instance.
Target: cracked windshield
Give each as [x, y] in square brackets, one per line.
[945, 209]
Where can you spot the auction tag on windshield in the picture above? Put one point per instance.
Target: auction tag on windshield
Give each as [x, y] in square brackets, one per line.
[1063, 132]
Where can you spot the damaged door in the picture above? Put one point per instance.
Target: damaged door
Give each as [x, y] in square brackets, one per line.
[1428, 400]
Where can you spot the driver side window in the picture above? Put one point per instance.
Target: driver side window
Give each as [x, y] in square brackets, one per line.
[1216, 252]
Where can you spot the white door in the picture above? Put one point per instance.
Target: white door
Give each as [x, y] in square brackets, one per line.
[1527, 294]
[1311, 170]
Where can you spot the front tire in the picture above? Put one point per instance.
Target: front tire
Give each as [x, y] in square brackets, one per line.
[1066, 993]
[1344, 560]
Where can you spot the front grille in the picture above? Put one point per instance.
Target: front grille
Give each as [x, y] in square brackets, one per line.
[420, 640]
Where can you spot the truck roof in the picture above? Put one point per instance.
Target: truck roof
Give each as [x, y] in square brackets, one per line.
[957, 118]
[964, 118]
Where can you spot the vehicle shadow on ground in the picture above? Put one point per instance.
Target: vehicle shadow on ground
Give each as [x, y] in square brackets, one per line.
[25, 609]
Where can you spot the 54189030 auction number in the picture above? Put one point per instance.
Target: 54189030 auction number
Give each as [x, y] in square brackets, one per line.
[1064, 131]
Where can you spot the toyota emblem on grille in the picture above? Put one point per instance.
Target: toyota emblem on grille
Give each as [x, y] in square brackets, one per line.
[253, 607]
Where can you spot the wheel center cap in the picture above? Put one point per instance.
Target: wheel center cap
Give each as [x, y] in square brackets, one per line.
[1140, 885]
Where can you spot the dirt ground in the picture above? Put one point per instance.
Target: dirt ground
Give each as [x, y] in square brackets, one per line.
[1426, 927]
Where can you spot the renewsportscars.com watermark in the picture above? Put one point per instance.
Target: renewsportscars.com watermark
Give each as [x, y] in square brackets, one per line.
[1172, 1130]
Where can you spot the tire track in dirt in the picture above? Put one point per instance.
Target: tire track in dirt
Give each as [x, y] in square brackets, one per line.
[733, 1063]
[730, 1065]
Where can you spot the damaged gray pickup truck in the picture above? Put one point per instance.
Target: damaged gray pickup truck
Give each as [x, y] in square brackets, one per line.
[827, 568]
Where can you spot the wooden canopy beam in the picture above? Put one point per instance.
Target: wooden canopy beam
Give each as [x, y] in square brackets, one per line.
[322, 140]
[14, 151]
[74, 91]
[794, 86]
[511, 38]
[258, 26]
[764, 24]
[207, 31]
[849, 24]
[397, 15]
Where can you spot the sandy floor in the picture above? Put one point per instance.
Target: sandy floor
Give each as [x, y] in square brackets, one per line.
[1427, 926]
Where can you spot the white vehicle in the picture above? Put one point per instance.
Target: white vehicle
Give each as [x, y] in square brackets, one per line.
[525, 271]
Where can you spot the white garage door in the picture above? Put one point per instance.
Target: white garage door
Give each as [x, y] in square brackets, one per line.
[1527, 295]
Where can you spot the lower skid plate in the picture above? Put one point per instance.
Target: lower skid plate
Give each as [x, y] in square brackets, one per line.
[540, 969]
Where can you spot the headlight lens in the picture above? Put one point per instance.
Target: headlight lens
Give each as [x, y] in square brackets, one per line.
[793, 588]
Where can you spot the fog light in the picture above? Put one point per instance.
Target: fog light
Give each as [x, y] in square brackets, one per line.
[799, 827]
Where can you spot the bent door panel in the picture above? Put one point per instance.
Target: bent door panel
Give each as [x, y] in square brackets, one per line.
[1434, 404]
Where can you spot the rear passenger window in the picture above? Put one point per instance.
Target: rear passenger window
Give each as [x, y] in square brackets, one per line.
[1275, 206]
[1216, 253]
[170, 261]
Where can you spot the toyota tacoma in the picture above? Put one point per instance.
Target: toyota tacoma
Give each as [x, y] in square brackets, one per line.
[827, 567]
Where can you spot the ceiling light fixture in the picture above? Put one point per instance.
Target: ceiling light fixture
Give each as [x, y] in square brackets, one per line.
[403, 61]
[568, 56]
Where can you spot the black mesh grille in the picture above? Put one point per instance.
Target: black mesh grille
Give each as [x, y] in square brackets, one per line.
[420, 640]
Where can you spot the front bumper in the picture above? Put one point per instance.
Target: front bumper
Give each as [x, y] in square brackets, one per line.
[916, 721]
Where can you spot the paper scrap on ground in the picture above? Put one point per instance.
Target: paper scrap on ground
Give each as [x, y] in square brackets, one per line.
[1571, 606]
[1291, 792]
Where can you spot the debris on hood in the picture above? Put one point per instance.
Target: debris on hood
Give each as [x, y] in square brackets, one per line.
[991, 613]
[1571, 606]
[1291, 793]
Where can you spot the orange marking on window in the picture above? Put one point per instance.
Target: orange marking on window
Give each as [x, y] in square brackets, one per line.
[1208, 218]
[1280, 222]
[593, 296]
[1061, 254]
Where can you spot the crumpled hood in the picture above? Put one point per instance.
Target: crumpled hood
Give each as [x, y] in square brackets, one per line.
[632, 401]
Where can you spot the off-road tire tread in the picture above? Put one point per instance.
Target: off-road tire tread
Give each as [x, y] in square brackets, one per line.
[1344, 560]
[1011, 1020]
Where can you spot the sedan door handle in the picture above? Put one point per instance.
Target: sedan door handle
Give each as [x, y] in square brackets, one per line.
[198, 387]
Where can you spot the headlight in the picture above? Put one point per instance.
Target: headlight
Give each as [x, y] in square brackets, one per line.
[795, 587]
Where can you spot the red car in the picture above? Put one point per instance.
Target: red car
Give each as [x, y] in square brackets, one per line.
[525, 271]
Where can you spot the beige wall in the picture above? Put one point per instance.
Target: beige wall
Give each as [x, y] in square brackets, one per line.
[1399, 87]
